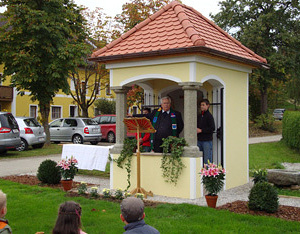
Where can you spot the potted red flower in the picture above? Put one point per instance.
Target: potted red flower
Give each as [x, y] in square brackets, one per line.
[213, 177]
[68, 169]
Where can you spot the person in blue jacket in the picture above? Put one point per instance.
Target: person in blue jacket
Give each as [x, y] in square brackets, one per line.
[132, 214]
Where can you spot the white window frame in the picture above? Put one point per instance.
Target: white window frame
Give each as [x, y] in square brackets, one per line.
[61, 111]
[36, 111]
[72, 85]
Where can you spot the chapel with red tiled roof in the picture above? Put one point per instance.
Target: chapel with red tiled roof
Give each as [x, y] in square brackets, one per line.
[179, 53]
[177, 29]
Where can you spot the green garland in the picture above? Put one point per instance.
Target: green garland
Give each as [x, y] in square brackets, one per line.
[171, 162]
[125, 157]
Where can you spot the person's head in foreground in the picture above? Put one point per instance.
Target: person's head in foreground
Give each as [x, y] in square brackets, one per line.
[3, 208]
[132, 214]
[69, 219]
[132, 210]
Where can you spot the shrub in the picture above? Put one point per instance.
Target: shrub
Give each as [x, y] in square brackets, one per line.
[106, 193]
[260, 175]
[94, 192]
[48, 172]
[263, 196]
[291, 129]
[106, 106]
[265, 122]
[119, 194]
[82, 188]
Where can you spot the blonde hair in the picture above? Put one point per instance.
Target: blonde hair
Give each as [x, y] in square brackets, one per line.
[2, 200]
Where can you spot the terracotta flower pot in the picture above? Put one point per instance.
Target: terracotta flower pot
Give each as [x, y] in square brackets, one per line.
[211, 201]
[67, 184]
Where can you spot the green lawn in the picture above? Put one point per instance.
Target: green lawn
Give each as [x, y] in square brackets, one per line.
[271, 155]
[46, 150]
[33, 208]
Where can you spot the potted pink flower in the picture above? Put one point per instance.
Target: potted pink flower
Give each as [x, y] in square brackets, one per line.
[68, 169]
[213, 177]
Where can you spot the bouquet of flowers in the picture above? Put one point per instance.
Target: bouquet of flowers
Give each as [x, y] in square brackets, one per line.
[68, 168]
[212, 178]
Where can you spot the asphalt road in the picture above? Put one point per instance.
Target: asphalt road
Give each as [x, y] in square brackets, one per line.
[30, 165]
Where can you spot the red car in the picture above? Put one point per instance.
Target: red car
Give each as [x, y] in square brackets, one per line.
[108, 127]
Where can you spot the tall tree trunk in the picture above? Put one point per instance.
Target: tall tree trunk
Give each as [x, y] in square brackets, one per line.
[45, 110]
[264, 101]
[85, 112]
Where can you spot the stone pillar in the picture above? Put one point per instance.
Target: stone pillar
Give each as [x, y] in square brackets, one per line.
[121, 109]
[190, 118]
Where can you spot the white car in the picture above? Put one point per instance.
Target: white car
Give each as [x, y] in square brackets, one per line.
[76, 130]
[278, 114]
[31, 133]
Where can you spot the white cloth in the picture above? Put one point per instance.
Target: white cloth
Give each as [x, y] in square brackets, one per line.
[89, 157]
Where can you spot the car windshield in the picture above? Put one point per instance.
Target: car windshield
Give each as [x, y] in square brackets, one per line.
[89, 122]
[31, 123]
[278, 111]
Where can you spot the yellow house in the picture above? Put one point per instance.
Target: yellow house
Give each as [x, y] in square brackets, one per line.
[63, 105]
[179, 53]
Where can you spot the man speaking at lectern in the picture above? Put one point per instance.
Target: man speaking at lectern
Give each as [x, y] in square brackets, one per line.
[166, 122]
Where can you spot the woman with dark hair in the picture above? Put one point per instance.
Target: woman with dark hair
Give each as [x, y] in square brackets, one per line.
[69, 219]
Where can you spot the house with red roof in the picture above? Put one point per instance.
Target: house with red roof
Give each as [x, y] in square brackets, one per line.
[180, 53]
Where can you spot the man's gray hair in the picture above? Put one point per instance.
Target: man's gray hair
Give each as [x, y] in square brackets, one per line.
[165, 97]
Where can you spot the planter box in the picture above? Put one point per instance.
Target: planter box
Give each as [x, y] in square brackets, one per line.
[188, 185]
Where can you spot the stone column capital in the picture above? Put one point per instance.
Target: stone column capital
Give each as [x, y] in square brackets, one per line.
[120, 89]
[190, 85]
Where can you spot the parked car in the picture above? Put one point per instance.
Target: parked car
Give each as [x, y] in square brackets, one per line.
[278, 113]
[9, 132]
[108, 127]
[31, 133]
[76, 130]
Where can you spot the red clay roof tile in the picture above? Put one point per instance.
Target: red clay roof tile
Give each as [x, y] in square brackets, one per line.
[176, 26]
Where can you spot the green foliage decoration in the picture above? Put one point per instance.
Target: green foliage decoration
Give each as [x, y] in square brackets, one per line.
[125, 157]
[291, 129]
[48, 172]
[260, 175]
[263, 196]
[171, 162]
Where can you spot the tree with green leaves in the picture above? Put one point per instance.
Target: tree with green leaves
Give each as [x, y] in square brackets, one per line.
[136, 11]
[88, 80]
[266, 27]
[106, 106]
[41, 43]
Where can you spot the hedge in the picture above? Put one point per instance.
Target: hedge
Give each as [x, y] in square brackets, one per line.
[291, 129]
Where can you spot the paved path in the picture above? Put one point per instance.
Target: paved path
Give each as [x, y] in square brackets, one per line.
[30, 165]
[255, 140]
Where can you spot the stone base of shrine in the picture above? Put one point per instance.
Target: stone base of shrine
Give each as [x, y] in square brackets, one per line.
[188, 184]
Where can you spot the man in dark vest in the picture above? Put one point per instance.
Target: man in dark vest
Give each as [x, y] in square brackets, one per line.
[166, 121]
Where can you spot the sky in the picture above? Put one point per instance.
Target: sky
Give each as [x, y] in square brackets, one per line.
[113, 7]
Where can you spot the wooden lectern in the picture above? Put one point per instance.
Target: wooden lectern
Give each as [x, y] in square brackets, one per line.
[139, 125]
